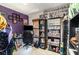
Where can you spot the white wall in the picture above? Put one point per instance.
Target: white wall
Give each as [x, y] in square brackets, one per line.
[34, 16]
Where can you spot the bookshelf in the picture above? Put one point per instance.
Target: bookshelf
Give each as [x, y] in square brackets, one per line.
[54, 34]
[40, 32]
[35, 31]
[43, 33]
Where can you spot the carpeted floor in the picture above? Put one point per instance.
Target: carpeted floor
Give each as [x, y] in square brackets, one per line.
[38, 51]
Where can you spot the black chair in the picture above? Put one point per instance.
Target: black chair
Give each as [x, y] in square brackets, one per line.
[27, 38]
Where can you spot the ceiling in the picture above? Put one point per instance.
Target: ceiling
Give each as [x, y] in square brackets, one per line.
[29, 8]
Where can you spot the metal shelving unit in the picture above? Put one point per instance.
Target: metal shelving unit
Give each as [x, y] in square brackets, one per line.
[54, 34]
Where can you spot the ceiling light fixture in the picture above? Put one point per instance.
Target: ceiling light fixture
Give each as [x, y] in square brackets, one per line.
[25, 3]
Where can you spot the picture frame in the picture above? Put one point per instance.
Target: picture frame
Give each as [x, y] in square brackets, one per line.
[3, 14]
[14, 21]
[10, 17]
[14, 15]
[21, 19]
[25, 22]
[18, 16]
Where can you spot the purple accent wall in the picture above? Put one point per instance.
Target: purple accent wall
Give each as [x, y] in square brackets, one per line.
[17, 28]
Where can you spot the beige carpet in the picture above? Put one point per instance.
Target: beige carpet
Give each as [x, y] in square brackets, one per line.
[38, 51]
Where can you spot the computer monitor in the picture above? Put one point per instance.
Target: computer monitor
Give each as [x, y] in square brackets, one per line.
[28, 27]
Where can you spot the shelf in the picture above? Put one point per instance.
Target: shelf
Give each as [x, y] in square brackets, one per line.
[42, 37]
[53, 48]
[35, 37]
[42, 45]
[54, 37]
[18, 38]
[42, 31]
[53, 29]
[35, 28]
[54, 18]
[54, 45]
[56, 25]
[42, 27]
